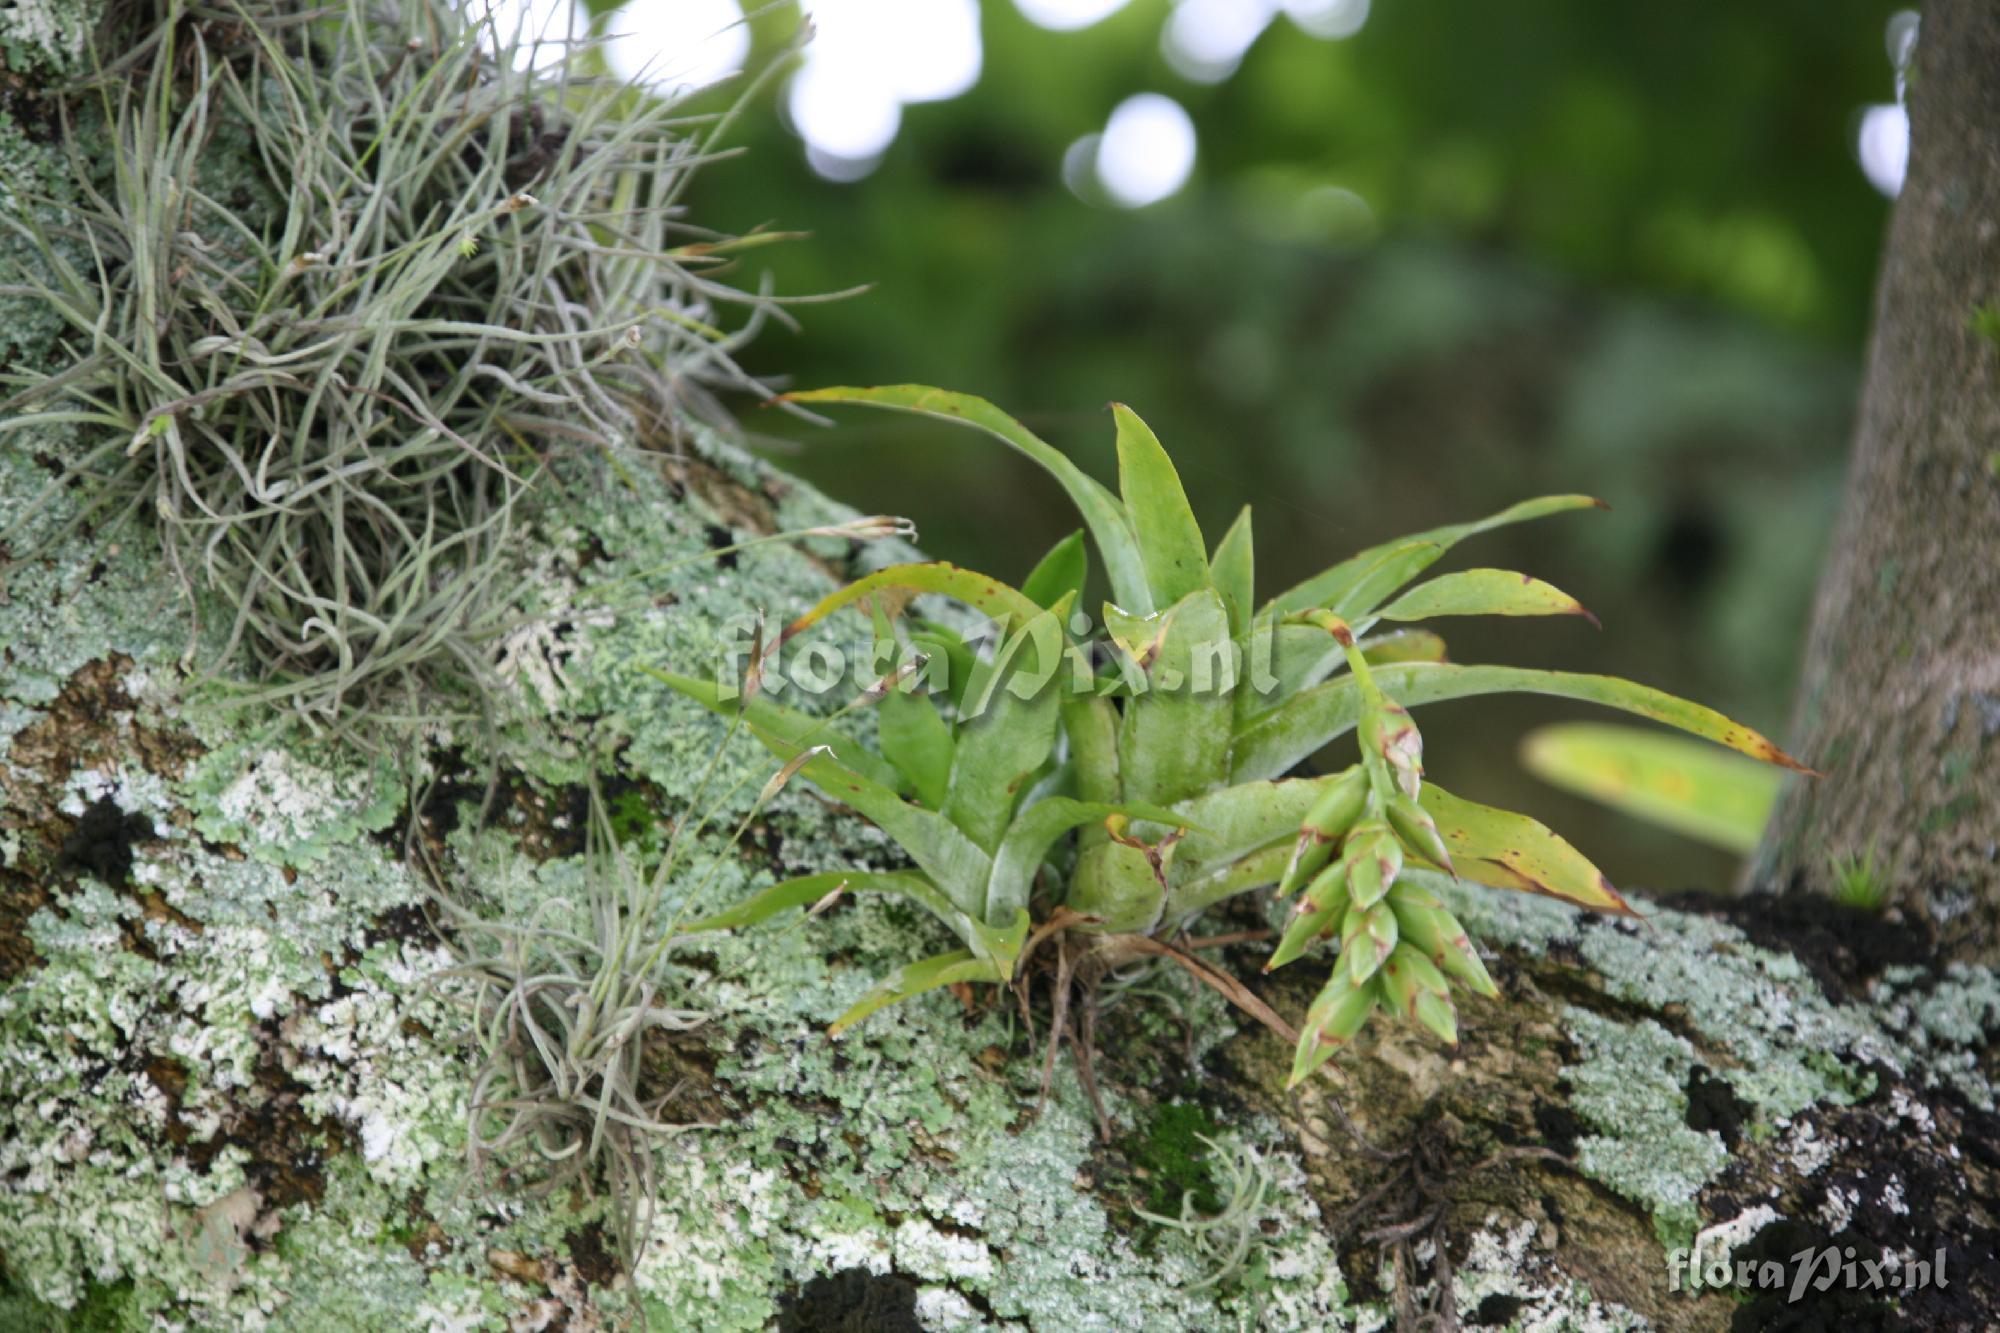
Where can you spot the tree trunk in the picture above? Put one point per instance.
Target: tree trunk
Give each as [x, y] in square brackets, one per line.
[1900, 700]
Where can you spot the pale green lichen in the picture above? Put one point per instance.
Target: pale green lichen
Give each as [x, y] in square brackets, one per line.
[291, 804]
[1630, 1086]
[1766, 1028]
[46, 36]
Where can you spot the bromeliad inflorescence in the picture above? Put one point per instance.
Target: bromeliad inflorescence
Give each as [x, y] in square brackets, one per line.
[1101, 797]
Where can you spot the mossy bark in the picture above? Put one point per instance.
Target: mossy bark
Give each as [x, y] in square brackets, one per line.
[1900, 701]
[248, 1089]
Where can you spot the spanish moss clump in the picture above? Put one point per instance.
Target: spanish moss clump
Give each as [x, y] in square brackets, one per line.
[356, 275]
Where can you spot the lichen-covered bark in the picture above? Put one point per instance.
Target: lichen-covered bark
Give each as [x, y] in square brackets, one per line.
[1900, 701]
[235, 1068]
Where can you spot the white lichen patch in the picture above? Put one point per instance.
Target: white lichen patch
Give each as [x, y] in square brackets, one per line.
[289, 806]
[1504, 1263]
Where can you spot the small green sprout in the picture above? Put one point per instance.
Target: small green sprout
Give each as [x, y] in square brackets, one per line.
[1091, 800]
[1859, 880]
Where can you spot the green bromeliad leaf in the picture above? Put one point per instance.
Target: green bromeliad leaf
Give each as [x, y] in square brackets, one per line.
[1403, 645]
[1275, 740]
[898, 583]
[1173, 738]
[1014, 697]
[985, 941]
[1170, 543]
[1101, 510]
[1483, 592]
[1357, 585]
[915, 978]
[918, 742]
[1061, 573]
[1232, 569]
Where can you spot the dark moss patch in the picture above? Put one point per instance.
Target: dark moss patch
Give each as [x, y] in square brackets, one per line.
[1170, 1161]
[1912, 1182]
[853, 1300]
[1836, 1310]
[20, 898]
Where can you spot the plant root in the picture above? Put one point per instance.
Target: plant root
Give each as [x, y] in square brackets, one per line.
[1083, 961]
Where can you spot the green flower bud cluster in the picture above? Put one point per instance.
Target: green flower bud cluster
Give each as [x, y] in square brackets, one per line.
[1398, 944]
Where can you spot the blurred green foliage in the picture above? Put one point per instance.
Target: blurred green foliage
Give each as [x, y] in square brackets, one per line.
[1609, 248]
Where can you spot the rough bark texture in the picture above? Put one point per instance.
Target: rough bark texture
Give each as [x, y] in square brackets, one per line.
[236, 1074]
[1900, 702]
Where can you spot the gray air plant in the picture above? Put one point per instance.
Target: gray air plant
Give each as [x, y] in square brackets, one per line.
[1048, 793]
[355, 275]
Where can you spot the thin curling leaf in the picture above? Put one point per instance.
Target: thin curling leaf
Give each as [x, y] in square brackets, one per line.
[1355, 581]
[1060, 574]
[989, 596]
[1170, 542]
[1694, 789]
[917, 742]
[1035, 830]
[809, 890]
[800, 729]
[916, 978]
[1232, 569]
[1102, 511]
[1273, 741]
[1510, 851]
[1484, 592]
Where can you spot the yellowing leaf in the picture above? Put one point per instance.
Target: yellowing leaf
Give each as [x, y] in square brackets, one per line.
[1687, 786]
[1512, 851]
[1484, 592]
